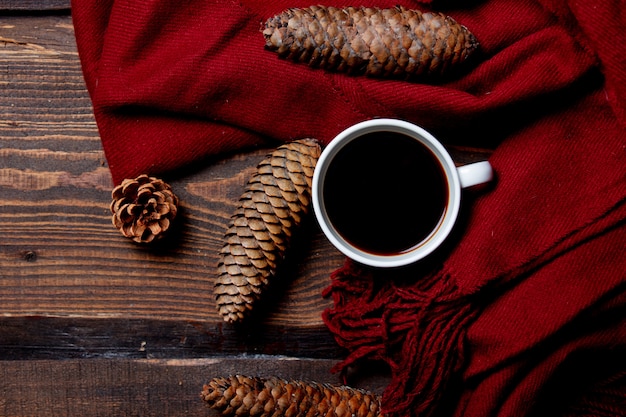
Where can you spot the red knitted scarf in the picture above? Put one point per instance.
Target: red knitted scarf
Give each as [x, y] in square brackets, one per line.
[527, 300]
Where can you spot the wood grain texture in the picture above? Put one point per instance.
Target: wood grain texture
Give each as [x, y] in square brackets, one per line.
[37, 337]
[59, 247]
[141, 387]
[34, 5]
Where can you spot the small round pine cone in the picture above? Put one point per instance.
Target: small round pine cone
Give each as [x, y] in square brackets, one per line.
[143, 208]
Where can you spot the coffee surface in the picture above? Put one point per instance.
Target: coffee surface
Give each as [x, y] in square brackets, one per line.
[385, 193]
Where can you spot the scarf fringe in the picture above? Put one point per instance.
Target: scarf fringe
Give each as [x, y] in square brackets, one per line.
[419, 331]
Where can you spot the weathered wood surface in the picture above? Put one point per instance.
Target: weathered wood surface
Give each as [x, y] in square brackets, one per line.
[142, 387]
[92, 324]
[34, 5]
[60, 255]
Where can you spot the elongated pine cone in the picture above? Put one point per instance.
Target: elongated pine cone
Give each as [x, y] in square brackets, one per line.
[395, 42]
[252, 396]
[143, 208]
[273, 205]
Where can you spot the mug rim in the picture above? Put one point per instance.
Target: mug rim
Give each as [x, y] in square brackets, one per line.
[439, 233]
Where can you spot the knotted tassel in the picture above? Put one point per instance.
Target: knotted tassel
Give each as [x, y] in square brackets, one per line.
[418, 330]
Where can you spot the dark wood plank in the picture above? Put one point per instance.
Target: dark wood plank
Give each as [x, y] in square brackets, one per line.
[143, 387]
[38, 337]
[34, 5]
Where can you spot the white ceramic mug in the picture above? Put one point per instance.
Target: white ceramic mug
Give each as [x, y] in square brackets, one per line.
[368, 172]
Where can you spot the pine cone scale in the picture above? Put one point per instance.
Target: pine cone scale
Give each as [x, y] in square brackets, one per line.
[377, 42]
[273, 204]
[143, 208]
[240, 395]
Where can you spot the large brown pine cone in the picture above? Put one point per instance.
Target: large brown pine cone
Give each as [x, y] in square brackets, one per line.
[275, 201]
[143, 208]
[251, 396]
[395, 42]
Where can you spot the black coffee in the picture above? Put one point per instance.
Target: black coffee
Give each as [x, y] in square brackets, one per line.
[385, 193]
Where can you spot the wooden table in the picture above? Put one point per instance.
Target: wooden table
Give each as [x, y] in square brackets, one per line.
[94, 325]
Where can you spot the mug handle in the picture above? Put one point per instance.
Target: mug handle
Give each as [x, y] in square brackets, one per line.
[474, 174]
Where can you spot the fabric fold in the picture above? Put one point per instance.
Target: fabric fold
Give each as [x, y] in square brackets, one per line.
[206, 62]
